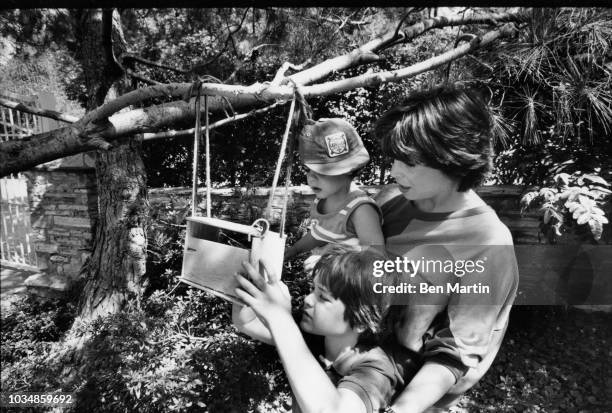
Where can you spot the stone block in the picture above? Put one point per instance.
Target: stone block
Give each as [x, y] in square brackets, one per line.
[85, 256]
[72, 222]
[46, 248]
[41, 223]
[58, 259]
[47, 281]
[73, 207]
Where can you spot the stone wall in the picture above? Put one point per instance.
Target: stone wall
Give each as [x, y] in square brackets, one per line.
[244, 206]
[63, 212]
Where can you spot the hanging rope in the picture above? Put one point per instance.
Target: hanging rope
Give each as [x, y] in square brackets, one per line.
[299, 114]
[303, 115]
[279, 163]
[196, 151]
[208, 189]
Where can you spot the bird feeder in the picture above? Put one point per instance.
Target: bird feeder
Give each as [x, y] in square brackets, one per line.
[211, 264]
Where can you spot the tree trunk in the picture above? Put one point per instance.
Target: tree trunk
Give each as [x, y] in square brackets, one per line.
[118, 260]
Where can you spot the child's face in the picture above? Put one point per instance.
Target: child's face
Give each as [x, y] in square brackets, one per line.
[323, 314]
[324, 186]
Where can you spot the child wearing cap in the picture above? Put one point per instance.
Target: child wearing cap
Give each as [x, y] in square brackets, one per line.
[333, 152]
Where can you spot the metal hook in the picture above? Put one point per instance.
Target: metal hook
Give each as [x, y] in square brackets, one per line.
[261, 225]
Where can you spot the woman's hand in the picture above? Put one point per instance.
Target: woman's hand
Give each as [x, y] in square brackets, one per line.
[267, 296]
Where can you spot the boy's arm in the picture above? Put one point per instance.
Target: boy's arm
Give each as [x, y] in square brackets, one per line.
[312, 387]
[306, 243]
[245, 320]
[366, 221]
[428, 386]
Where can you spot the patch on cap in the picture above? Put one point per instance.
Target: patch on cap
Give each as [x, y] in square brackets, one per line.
[337, 144]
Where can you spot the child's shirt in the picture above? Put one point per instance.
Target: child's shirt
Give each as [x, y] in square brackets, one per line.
[375, 373]
[335, 227]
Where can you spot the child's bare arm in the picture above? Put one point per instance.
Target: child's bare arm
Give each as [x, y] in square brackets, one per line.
[366, 221]
[245, 321]
[306, 243]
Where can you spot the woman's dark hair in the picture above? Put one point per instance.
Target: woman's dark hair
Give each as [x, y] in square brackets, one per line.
[348, 275]
[446, 128]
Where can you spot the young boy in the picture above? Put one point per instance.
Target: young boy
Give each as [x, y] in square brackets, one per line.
[358, 375]
[332, 151]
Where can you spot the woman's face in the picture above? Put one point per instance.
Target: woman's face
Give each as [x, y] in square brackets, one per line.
[421, 182]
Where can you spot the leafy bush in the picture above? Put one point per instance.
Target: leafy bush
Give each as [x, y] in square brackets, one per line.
[570, 201]
[32, 323]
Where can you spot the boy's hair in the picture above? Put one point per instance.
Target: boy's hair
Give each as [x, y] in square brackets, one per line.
[348, 275]
[446, 128]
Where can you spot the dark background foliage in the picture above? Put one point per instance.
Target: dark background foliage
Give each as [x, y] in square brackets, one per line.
[549, 89]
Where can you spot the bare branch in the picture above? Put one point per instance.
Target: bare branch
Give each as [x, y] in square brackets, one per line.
[226, 121]
[45, 113]
[372, 79]
[140, 77]
[366, 53]
[227, 40]
[346, 21]
[129, 56]
[401, 22]
[439, 22]
[280, 74]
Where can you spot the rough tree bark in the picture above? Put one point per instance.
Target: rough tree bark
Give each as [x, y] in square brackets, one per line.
[117, 263]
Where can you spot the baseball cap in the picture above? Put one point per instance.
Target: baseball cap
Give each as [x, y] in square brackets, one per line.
[332, 147]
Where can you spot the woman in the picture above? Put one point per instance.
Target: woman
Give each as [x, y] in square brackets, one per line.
[440, 141]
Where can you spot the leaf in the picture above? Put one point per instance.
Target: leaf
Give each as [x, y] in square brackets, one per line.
[601, 190]
[596, 228]
[584, 218]
[596, 179]
[547, 193]
[546, 218]
[572, 206]
[578, 211]
[585, 201]
[562, 179]
[527, 199]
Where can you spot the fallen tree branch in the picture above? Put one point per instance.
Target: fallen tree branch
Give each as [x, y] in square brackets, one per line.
[45, 113]
[362, 55]
[26, 153]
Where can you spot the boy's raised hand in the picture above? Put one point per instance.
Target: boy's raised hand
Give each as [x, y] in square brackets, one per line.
[269, 297]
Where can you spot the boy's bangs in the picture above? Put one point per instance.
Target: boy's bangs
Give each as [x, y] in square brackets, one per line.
[396, 148]
[330, 277]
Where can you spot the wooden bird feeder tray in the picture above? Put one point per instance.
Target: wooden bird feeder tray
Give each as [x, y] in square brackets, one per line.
[210, 265]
